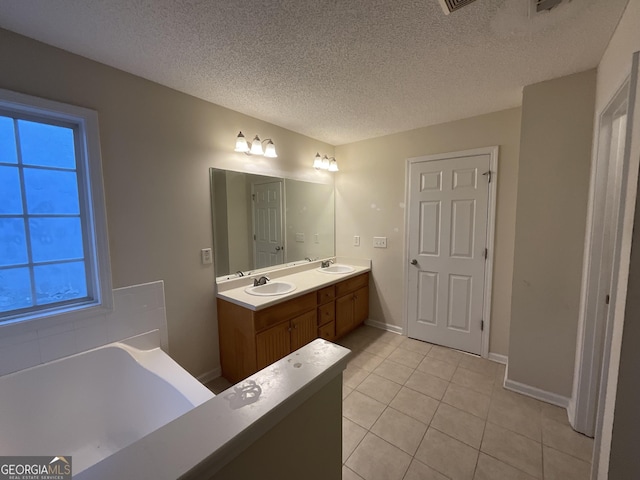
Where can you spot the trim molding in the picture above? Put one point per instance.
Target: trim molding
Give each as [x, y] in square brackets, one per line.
[537, 393]
[571, 412]
[498, 357]
[206, 377]
[384, 326]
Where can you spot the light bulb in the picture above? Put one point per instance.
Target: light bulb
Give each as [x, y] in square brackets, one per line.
[256, 146]
[317, 162]
[241, 144]
[325, 163]
[333, 166]
[270, 151]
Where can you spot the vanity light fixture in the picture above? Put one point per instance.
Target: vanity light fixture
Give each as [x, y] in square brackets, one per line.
[325, 163]
[242, 146]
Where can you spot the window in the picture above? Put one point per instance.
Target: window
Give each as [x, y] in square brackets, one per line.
[53, 245]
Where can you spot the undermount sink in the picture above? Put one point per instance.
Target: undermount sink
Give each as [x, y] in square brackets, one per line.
[337, 269]
[271, 288]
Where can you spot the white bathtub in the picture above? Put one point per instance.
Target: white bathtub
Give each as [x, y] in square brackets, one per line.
[95, 403]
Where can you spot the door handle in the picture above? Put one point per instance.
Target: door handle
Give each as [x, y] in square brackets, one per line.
[279, 248]
[414, 262]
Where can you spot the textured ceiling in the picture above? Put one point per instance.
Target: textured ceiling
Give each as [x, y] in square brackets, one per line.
[336, 70]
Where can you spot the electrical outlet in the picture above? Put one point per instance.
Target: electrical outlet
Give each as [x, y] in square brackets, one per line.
[207, 257]
[316, 238]
[356, 240]
[300, 237]
[379, 242]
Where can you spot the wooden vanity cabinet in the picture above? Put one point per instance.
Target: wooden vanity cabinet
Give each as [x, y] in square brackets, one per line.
[280, 340]
[250, 340]
[352, 304]
[327, 313]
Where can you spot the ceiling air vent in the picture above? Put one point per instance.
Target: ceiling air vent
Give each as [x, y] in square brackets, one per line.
[449, 6]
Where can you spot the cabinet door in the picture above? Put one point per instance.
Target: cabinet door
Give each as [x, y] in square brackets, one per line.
[303, 330]
[327, 331]
[344, 314]
[273, 344]
[361, 305]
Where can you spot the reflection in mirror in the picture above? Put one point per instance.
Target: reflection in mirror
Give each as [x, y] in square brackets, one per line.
[261, 221]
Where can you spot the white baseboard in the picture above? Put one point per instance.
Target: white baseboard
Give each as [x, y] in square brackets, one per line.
[206, 377]
[384, 326]
[571, 413]
[537, 393]
[498, 357]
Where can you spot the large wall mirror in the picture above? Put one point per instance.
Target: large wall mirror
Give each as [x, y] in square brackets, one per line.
[261, 222]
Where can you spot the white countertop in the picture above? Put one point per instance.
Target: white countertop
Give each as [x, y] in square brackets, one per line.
[305, 277]
[211, 435]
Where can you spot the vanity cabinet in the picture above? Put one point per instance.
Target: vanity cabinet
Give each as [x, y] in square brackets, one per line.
[352, 304]
[250, 340]
[282, 339]
[327, 313]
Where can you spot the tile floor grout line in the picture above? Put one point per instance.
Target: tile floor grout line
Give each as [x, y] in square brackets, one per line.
[479, 373]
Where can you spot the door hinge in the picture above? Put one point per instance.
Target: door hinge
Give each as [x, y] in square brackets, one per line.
[253, 197]
[607, 299]
[254, 237]
[488, 174]
[486, 253]
[482, 325]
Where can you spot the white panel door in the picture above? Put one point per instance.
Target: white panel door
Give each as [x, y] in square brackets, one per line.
[448, 215]
[267, 224]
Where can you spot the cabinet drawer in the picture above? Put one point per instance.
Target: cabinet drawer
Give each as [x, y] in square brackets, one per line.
[327, 313]
[284, 311]
[352, 284]
[326, 294]
[328, 331]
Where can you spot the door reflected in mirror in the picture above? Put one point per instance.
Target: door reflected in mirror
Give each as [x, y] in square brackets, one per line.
[260, 221]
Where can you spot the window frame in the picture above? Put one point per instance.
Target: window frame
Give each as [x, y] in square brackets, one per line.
[92, 209]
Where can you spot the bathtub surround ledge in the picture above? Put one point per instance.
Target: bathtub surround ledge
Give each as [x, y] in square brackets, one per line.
[228, 433]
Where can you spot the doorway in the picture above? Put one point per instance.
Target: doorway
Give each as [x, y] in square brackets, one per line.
[599, 270]
[451, 201]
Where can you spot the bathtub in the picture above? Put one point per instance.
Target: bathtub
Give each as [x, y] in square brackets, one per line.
[95, 403]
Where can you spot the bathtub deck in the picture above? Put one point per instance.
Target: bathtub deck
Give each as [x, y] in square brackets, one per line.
[202, 442]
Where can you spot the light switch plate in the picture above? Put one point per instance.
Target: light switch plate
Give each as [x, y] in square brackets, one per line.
[356, 240]
[379, 242]
[316, 238]
[300, 237]
[207, 257]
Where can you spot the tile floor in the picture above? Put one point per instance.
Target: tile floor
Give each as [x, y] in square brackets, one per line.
[416, 411]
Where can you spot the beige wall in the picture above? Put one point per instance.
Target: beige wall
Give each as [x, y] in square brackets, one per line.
[622, 390]
[553, 184]
[310, 210]
[370, 196]
[157, 147]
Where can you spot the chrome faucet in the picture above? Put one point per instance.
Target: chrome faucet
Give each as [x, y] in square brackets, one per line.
[260, 281]
[326, 263]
